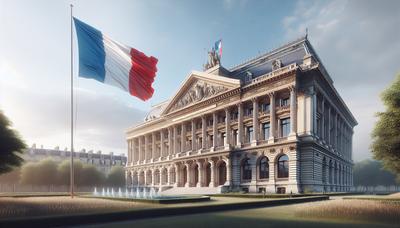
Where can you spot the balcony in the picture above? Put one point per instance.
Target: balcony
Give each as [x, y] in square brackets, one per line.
[283, 108]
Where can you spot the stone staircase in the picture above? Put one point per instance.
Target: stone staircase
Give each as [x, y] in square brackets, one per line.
[192, 191]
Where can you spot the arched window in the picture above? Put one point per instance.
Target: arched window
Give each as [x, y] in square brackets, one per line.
[263, 168]
[246, 170]
[283, 166]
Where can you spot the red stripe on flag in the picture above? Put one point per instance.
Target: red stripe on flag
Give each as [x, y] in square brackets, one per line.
[142, 74]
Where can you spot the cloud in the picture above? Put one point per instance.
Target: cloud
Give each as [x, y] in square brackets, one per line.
[358, 44]
[43, 117]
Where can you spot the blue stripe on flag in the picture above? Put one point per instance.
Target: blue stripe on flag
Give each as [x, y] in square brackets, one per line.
[91, 51]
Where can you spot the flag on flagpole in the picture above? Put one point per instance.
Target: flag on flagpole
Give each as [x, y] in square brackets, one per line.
[110, 62]
[218, 48]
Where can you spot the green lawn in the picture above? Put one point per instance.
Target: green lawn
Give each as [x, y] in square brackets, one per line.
[296, 216]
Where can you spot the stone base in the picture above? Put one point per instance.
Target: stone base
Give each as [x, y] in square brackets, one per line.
[271, 140]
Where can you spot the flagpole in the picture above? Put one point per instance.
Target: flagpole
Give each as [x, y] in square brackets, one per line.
[72, 111]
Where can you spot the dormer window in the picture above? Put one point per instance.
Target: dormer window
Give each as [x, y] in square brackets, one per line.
[249, 76]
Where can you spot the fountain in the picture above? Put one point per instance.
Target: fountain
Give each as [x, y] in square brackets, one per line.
[151, 194]
[119, 193]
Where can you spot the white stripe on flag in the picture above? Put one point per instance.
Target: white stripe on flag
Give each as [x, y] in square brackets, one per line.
[117, 64]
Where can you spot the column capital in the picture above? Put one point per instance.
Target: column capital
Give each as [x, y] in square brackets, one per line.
[240, 104]
[254, 99]
[292, 88]
[271, 94]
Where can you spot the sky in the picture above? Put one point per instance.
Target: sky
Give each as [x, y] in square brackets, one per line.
[358, 42]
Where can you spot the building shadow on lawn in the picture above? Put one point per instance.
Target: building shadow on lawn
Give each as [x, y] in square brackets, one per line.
[220, 220]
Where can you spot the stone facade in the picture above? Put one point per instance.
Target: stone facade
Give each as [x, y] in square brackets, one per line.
[273, 124]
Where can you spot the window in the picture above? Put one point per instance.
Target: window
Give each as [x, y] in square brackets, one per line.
[283, 166]
[235, 135]
[263, 168]
[234, 116]
[249, 111]
[285, 127]
[265, 107]
[249, 134]
[246, 170]
[284, 102]
[222, 139]
[265, 128]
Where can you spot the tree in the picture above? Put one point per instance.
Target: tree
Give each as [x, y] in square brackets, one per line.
[386, 134]
[11, 146]
[371, 173]
[91, 176]
[12, 177]
[85, 175]
[64, 172]
[116, 177]
[43, 172]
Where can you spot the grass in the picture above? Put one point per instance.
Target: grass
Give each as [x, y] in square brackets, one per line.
[15, 207]
[353, 209]
[314, 214]
[12, 207]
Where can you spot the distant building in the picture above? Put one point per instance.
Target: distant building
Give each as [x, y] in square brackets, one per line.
[103, 162]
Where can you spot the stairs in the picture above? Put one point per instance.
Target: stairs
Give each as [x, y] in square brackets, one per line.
[191, 191]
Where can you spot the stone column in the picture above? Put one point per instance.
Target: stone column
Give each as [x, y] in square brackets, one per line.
[146, 147]
[215, 130]
[313, 113]
[293, 113]
[187, 184]
[227, 129]
[162, 147]
[153, 177]
[200, 170]
[140, 148]
[323, 119]
[170, 143]
[134, 150]
[240, 125]
[153, 145]
[177, 181]
[204, 132]
[255, 122]
[176, 144]
[193, 135]
[272, 123]
[328, 137]
[335, 131]
[134, 183]
[212, 176]
[145, 178]
[228, 171]
[183, 137]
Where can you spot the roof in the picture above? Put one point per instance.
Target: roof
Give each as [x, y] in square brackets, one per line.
[289, 53]
[292, 52]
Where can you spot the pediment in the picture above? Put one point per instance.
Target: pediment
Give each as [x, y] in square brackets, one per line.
[200, 86]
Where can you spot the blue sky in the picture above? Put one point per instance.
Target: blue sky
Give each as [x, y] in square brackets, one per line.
[351, 37]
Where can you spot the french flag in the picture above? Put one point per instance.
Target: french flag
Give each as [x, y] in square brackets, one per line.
[110, 62]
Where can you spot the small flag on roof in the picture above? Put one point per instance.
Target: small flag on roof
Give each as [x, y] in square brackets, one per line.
[110, 62]
[218, 48]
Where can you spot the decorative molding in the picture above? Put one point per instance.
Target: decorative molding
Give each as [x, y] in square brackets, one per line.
[200, 90]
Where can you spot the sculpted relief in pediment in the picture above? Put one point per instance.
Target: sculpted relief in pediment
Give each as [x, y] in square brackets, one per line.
[199, 91]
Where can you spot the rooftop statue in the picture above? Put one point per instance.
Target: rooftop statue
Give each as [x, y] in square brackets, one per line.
[213, 59]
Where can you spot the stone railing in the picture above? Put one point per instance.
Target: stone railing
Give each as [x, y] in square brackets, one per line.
[274, 73]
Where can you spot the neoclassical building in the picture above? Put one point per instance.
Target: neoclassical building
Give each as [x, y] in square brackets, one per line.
[274, 123]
